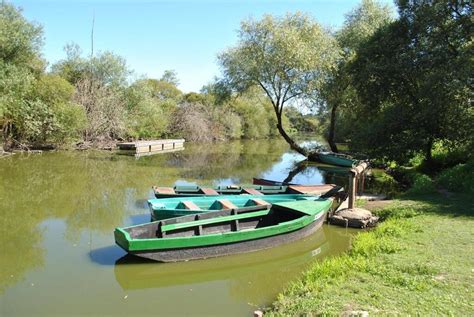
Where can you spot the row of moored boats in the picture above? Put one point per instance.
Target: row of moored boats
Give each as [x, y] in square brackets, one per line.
[192, 222]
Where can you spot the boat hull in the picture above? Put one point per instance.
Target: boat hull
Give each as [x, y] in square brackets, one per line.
[335, 160]
[184, 254]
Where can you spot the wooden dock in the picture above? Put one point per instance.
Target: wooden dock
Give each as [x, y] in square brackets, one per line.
[142, 148]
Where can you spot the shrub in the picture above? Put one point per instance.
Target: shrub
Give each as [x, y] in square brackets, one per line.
[192, 121]
[105, 107]
[459, 178]
[71, 121]
[383, 183]
[421, 184]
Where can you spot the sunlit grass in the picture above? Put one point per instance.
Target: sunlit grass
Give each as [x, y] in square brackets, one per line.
[418, 261]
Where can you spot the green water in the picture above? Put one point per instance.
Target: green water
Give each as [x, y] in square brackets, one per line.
[59, 210]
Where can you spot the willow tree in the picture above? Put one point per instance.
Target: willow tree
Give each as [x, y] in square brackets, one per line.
[288, 57]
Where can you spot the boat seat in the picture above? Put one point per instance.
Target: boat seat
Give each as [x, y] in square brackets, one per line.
[195, 223]
[164, 190]
[297, 189]
[227, 204]
[252, 191]
[190, 205]
[311, 190]
[209, 191]
[260, 202]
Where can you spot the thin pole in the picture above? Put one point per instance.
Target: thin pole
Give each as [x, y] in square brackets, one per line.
[352, 189]
[92, 35]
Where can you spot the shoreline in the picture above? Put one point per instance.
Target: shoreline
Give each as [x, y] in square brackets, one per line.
[430, 273]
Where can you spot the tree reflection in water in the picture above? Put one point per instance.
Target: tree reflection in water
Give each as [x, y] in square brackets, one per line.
[96, 191]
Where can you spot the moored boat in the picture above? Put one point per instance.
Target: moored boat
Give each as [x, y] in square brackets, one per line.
[176, 207]
[272, 188]
[224, 232]
[324, 190]
[337, 159]
[191, 191]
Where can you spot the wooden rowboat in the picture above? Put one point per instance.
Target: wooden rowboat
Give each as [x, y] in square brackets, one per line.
[223, 232]
[259, 189]
[183, 191]
[337, 159]
[175, 207]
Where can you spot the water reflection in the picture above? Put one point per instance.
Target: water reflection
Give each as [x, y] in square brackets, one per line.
[96, 191]
[60, 209]
[253, 277]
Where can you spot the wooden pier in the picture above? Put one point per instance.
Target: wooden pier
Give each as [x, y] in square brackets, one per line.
[142, 148]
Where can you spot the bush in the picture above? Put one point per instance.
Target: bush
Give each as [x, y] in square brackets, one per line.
[105, 106]
[71, 121]
[148, 114]
[459, 178]
[445, 156]
[421, 184]
[383, 183]
[192, 122]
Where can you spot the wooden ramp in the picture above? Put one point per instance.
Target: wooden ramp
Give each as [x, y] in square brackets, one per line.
[142, 148]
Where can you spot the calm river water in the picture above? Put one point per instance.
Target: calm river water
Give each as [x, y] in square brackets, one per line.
[59, 210]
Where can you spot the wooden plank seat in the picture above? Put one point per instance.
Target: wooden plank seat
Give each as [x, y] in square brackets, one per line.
[226, 204]
[260, 202]
[252, 191]
[164, 190]
[190, 205]
[314, 190]
[191, 224]
[209, 191]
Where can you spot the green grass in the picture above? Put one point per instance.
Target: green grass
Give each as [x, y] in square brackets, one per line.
[418, 261]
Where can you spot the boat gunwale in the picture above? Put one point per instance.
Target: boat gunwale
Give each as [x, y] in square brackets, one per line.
[163, 243]
[223, 238]
[237, 199]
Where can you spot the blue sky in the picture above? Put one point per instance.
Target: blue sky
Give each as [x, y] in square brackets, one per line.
[154, 36]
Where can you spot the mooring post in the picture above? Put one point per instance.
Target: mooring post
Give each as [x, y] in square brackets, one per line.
[352, 189]
[362, 182]
[353, 181]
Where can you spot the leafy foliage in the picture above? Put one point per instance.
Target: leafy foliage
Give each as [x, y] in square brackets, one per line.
[413, 78]
[459, 178]
[287, 57]
[338, 95]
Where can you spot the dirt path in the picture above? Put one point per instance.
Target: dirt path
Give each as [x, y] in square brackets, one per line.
[377, 204]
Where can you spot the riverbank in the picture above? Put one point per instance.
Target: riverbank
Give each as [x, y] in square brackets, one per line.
[420, 260]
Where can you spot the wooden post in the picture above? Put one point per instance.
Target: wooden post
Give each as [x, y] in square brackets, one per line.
[352, 190]
[362, 185]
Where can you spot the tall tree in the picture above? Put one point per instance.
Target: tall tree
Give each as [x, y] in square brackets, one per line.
[20, 65]
[360, 24]
[415, 79]
[288, 57]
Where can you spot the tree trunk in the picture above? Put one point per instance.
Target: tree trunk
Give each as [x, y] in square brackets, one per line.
[288, 139]
[332, 129]
[299, 167]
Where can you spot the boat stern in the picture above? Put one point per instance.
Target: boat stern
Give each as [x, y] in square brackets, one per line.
[122, 239]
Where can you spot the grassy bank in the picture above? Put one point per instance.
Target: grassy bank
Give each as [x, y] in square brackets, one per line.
[420, 260]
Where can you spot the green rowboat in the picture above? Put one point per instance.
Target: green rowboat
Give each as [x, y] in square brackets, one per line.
[224, 232]
[175, 207]
[337, 159]
[274, 189]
